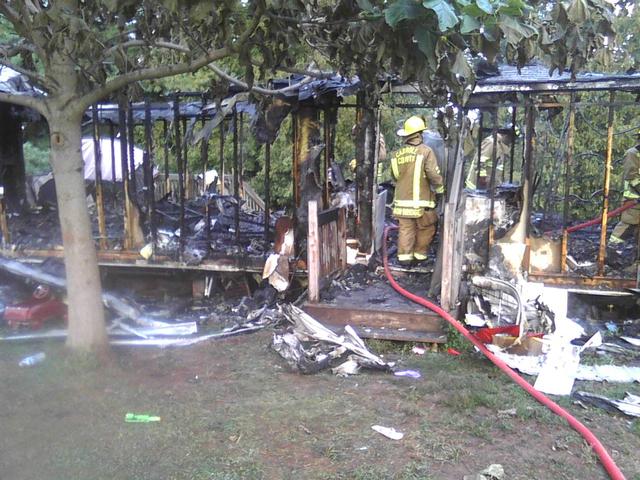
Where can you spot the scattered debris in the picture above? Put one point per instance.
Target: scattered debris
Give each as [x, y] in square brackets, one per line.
[594, 373]
[388, 432]
[453, 351]
[633, 341]
[407, 373]
[629, 405]
[492, 472]
[509, 412]
[140, 418]
[309, 347]
[419, 350]
[32, 359]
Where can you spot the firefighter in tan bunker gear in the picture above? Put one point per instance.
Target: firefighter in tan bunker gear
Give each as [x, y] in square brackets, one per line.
[627, 227]
[416, 171]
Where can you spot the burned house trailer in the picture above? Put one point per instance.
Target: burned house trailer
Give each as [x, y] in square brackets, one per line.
[537, 209]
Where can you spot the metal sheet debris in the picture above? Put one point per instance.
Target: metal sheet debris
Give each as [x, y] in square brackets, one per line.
[597, 373]
[629, 405]
[560, 366]
[308, 346]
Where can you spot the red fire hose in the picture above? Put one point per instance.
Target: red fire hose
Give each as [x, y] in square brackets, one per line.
[608, 463]
[598, 220]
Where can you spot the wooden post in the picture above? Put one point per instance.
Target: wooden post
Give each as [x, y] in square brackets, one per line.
[567, 188]
[267, 192]
[602, 251]
[148, 172]
[4, 225]
[185, 159]
[122, 120]
[527, 175]
[236, 176]
[178, 145]
[131, 145]
[221, 157]
[97, 157]
[313, 253]
[447, 257]
[342, 238]
[165, 133]
[492, 186]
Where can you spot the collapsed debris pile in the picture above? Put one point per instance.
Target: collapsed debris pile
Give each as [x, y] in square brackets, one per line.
[308, 347]
[39, 229]
[540, 331]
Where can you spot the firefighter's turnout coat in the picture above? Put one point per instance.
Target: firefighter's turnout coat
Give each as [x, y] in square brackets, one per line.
[415, 169]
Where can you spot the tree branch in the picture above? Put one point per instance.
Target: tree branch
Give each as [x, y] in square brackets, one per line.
[150, 73]
[10, 13]
[264, 91]
[36, 103]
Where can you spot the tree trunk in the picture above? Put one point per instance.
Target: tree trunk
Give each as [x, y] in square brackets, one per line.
[86, 314]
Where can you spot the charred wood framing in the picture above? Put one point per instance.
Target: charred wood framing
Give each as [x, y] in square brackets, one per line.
[131, 144]
[567, 187]
[236, 175]
[128, 214]
[112, 138]
[185, 159]
[241, 153]
[527, 170]
[97, 151]
[148, 172]
[366, 145]
[267, 192]
[492, 182]
[165, 136]
[306, 162]
[221, 158]
[178, 148]
[479, 148]
[204, 157]
[605, 187]
[514, 117]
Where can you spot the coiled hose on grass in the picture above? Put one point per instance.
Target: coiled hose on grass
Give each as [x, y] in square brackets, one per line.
[612, 469]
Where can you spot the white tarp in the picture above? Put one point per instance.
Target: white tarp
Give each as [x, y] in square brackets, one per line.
[88, 156]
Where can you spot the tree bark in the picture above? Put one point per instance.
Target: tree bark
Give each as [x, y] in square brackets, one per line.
[87, 330]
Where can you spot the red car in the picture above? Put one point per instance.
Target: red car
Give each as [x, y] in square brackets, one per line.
[33, 313]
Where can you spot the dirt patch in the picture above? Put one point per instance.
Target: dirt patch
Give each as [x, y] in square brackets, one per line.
[232, 410]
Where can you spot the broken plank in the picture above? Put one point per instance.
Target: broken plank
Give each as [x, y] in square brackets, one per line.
[395, 322]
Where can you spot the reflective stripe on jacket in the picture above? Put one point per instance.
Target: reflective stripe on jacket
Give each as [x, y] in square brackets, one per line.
[631, 172]
[416, 170]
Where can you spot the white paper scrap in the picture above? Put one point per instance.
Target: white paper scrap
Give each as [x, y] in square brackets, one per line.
[388, 432]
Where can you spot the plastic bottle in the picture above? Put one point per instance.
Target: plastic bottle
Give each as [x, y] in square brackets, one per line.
[140, 418]
[32, 359]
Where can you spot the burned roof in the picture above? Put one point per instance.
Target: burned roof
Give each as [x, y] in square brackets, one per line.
[536, 78]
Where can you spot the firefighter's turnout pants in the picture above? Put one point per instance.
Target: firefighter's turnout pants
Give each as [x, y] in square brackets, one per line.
[415, 235]
[627, 227]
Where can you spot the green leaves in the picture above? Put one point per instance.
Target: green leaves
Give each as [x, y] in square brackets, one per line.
[427, 41]
[447, 17]
[485, 6]
[402, 10]
[513, 30]
[469, 24]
